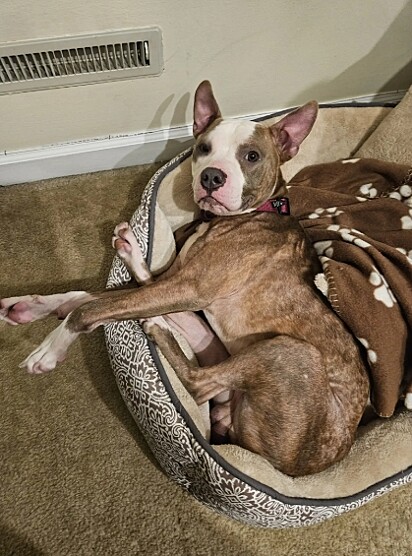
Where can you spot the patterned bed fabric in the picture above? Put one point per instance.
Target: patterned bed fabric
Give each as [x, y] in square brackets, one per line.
[182, 451]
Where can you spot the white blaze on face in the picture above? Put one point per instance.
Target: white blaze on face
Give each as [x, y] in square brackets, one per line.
[225, 140]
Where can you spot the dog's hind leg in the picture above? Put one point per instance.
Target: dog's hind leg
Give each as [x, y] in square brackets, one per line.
[190, 374]
[285, 407]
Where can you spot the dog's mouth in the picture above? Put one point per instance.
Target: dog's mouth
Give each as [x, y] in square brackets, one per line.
[210, 204]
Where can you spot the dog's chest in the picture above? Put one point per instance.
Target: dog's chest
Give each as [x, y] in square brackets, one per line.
[200, 231]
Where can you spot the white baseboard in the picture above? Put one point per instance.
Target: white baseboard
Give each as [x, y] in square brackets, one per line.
[117, 152]
[91, 156]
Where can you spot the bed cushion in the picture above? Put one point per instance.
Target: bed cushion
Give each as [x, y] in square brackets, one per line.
[392, 140]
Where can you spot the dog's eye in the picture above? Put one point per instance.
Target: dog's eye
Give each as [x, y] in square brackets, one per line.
[252, 156]
[203, 148]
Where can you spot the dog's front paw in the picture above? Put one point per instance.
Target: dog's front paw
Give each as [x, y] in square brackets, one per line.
[41, 360]
[51, 351]
[152, 325]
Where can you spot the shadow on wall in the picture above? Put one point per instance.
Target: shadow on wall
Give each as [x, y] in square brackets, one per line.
[370, 64]
[172, 146]
[354, 76]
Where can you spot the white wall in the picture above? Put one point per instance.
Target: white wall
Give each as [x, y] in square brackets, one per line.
[260, 56]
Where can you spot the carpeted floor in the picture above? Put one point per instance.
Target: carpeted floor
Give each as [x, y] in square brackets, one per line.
[76, 475]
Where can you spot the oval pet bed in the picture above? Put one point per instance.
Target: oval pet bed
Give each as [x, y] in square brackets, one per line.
[227, 478]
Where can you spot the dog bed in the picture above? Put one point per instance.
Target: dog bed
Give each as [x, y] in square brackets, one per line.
[227, 478]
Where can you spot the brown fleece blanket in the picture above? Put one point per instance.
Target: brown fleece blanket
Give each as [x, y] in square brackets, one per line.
[358, 215]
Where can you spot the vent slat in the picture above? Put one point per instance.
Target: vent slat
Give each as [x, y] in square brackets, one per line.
[135, 57]
[59, 60]
[45, 64]
[16, 68]
[89, 67]
[6, 68]
[109, 65]
[4, 77]
[126, 54]
[139, 47]
[129, 56]
[117, 56]
[20, 65]
[72, 57]
[79, 60]
[125, 63]
[146, 49]
[53, 67]
[24, 62]
[122, 56]
[37, 68]
[104, 58]
[113, 63]
[28, 65]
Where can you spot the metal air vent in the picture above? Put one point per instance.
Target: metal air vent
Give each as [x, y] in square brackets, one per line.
[80, 60]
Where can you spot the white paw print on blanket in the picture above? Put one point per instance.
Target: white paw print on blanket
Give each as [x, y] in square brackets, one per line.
[329, 212]
[405, 190]
[404, 194]
[368, 190]
[323, 248]
[382, 291]
[407, 221]
[348, 234]
[406, 253]
[372, 356]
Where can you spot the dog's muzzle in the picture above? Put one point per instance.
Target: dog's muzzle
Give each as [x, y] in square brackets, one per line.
[212, 178]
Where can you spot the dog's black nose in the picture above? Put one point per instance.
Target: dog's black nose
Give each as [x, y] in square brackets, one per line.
[212, 178]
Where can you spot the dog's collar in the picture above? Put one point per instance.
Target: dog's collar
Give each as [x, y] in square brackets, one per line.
[279, 205]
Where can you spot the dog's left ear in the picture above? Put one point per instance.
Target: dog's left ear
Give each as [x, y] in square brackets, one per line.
[290, 131]
[206, 109]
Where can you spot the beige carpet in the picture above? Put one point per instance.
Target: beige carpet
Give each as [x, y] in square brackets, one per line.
[76, 475]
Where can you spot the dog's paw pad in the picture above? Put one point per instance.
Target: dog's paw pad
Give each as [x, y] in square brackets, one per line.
[39, 362]
[21, 313]
[125, 242]
[24, 309]
[152, 325]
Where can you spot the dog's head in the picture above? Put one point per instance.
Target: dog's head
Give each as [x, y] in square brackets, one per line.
[236, 164]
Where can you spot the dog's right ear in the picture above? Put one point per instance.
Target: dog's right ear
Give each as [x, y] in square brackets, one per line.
[205, 110]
